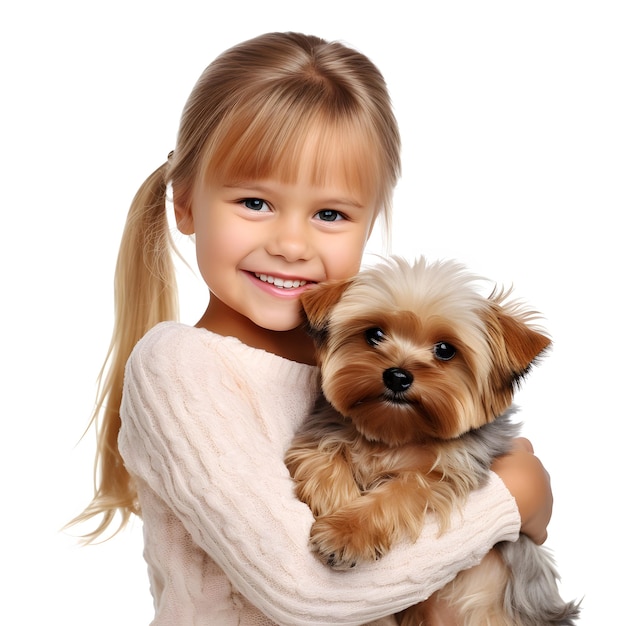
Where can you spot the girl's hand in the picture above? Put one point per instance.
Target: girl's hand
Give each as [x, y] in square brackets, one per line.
[529, 483]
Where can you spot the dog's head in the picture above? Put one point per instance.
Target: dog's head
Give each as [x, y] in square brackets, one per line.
[412, 352]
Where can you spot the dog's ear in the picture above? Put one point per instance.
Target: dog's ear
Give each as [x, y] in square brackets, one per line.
[317, 303]
[515, 347]
[521, 344]
[524, 344]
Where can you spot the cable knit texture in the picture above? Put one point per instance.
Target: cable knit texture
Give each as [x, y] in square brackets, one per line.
[206, 421]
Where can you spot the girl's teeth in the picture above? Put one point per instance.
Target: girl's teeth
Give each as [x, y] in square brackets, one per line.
[280, 282]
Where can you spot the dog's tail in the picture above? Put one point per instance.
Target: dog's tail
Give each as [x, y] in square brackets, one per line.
[532, 591]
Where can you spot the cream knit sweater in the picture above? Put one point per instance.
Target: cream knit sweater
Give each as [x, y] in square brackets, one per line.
[206, 421]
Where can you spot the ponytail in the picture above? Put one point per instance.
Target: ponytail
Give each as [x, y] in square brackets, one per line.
[145, 294]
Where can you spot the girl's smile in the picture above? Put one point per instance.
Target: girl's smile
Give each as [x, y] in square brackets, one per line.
[282, 287]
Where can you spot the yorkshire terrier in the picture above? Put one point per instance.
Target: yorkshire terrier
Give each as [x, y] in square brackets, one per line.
[418, 372]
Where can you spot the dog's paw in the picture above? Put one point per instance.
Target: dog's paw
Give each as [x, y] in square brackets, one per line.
[343, 546]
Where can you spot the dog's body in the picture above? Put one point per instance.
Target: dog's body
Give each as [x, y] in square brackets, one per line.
[418, 374]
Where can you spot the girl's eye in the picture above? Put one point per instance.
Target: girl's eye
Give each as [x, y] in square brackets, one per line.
[256, 204]
[374, 336]
[330, 215]
[444, 351]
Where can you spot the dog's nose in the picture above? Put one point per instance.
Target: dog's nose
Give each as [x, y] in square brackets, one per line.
[397, 379]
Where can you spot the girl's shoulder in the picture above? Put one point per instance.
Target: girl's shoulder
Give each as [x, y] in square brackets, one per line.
[166, 340]
[171, 336]
[170, 343]
[175, 362]
[171, 346]
[175, 357]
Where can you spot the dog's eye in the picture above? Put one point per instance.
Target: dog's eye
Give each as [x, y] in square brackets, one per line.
[444, 351]
[374, 336]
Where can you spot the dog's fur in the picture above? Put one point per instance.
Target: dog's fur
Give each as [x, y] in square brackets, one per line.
[418, 373]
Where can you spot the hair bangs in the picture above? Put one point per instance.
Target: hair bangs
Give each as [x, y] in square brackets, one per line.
[278, 139]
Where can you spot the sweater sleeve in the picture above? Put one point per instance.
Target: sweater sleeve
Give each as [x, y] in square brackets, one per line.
[210, 442]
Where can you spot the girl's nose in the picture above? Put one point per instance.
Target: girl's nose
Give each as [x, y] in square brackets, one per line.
[290, 239]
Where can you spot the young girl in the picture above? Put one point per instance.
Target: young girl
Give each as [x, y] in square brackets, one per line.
[287, 153]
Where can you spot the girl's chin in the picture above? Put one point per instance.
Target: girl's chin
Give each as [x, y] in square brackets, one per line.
[278, 326]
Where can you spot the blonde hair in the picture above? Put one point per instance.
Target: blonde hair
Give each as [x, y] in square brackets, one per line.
[247, 118]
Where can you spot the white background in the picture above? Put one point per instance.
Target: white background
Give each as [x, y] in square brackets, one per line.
[512, 117]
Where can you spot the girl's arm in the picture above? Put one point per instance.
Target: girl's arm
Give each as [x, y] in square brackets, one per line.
[211, 446]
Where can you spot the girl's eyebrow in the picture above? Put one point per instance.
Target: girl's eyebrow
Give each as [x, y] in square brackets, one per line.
[263, 189]
[248, 186]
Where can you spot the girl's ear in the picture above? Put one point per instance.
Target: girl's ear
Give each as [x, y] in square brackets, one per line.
[184, 218]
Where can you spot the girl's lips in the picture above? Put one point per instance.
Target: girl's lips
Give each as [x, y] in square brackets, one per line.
[282, 283]
[279, 286]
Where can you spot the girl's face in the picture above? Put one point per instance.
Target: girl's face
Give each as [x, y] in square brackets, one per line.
[261, 243]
